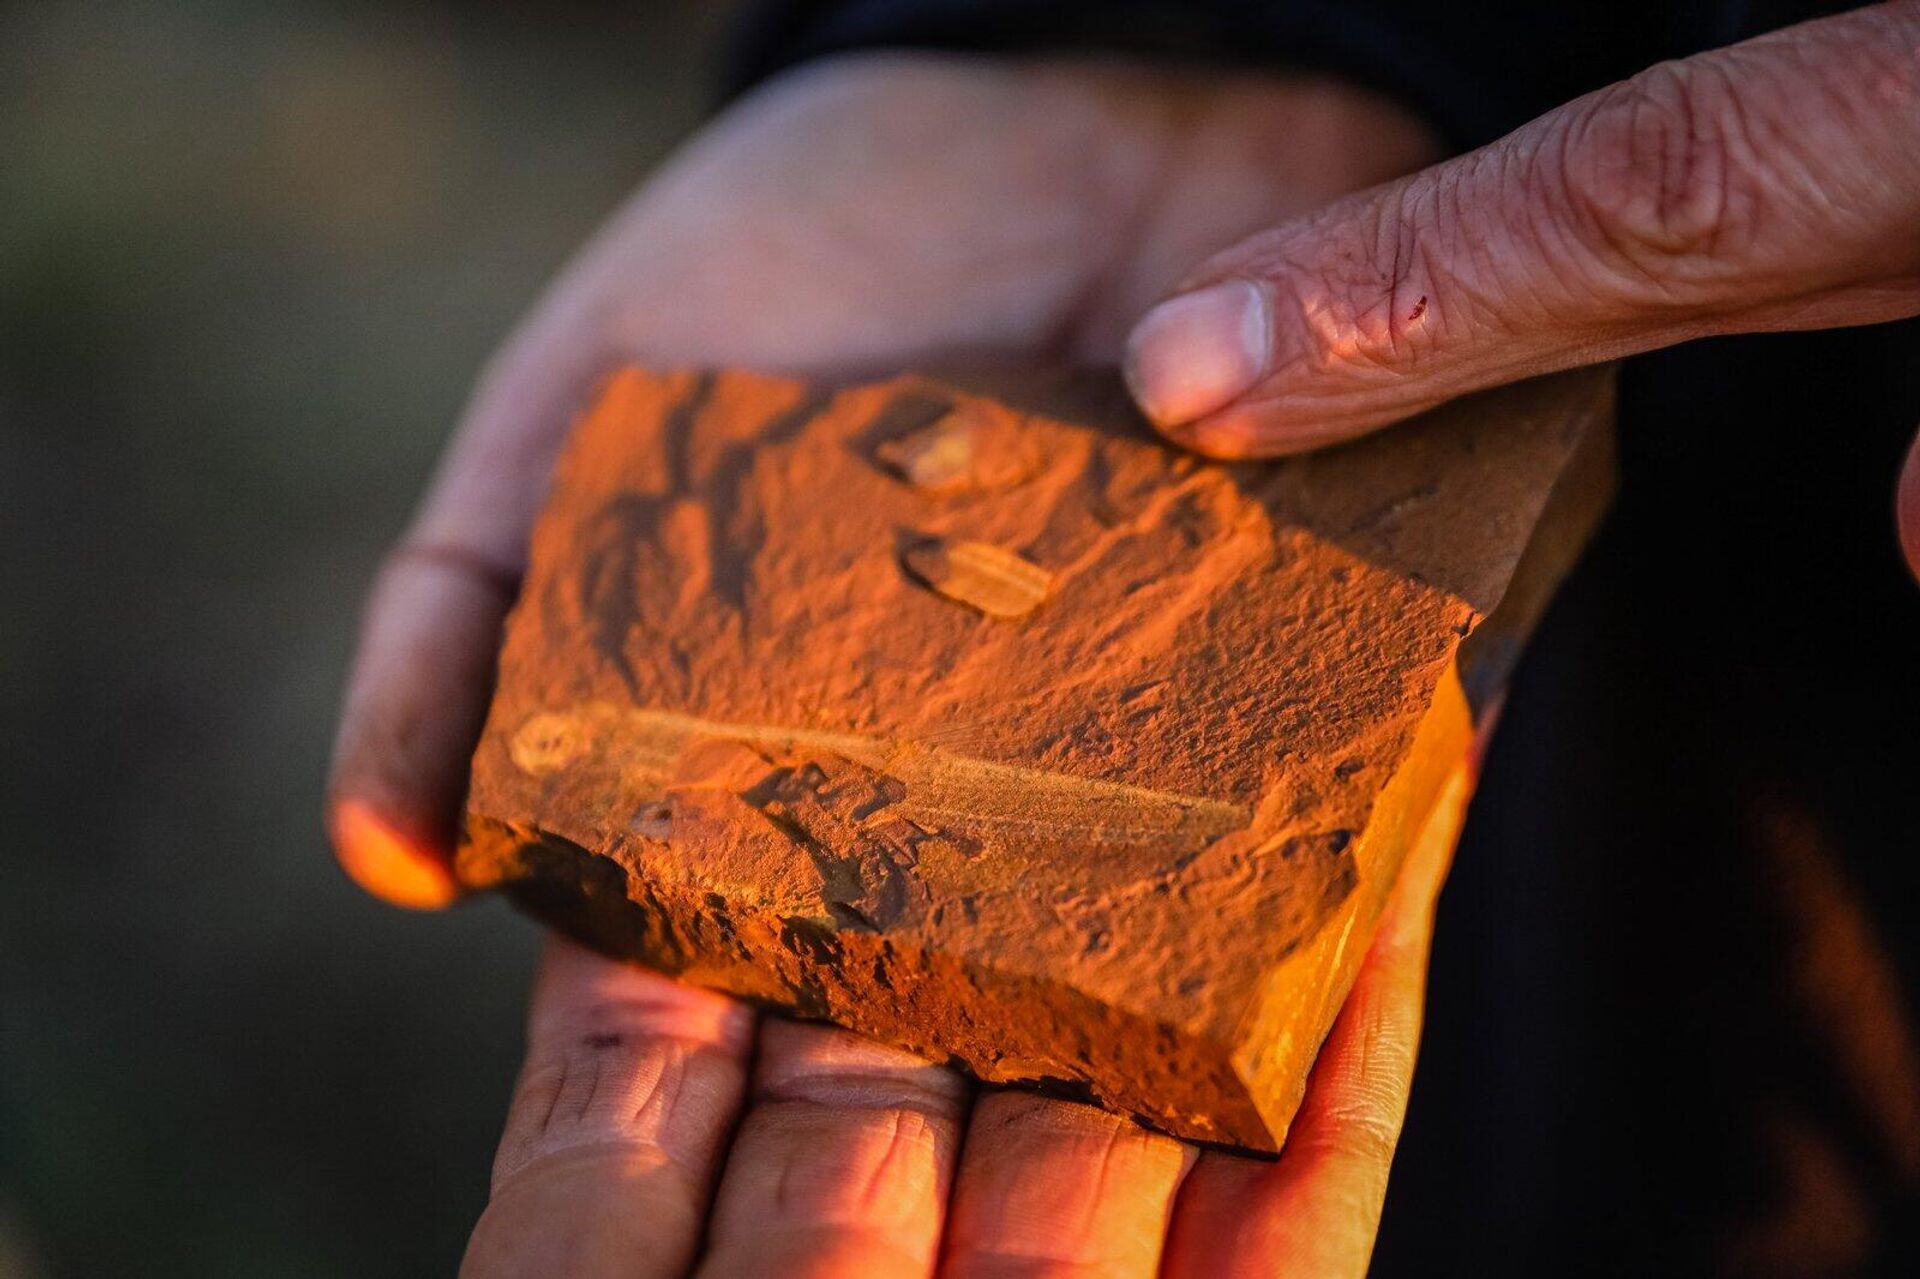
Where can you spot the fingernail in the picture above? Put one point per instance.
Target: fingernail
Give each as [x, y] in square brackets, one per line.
[388, 864]
[1200, 351]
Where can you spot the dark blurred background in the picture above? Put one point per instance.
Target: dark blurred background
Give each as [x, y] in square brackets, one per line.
[251, 254]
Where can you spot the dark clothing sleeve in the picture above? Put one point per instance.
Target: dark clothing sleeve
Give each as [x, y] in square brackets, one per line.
[1474, 71]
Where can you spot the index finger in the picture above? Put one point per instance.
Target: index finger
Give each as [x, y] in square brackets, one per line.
[1771, 185]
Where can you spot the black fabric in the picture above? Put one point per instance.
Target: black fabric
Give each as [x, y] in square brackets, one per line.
[1672, 1013]
[1474, 70]
[1635, 1063]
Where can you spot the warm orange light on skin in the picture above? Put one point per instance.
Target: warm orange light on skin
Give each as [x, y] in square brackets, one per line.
[1483, 730]
[386, 863]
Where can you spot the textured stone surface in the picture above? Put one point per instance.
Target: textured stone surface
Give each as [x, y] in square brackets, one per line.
[1006, 733]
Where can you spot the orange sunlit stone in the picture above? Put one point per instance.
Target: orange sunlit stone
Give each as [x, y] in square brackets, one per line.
[388, 864]
[1101, 778]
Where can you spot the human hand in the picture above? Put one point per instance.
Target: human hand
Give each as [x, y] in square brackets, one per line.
[863, 216]
[866, 215]
[650, 1136]
[1773, 185]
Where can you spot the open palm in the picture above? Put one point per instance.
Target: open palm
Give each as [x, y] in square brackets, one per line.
[864, 216]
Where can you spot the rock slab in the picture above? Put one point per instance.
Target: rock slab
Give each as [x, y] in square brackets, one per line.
[991, 726]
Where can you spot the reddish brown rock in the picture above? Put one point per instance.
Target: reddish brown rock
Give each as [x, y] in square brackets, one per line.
[1005, 733]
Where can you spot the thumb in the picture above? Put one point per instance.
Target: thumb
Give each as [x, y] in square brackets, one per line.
[1770, 185]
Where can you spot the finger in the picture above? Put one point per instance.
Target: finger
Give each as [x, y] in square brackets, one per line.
[424, 667]
[606, 1166]
[1907, 507]
[842, 1163]
[1049, 1186]
[1770, 185]
[1316, 1210]
[413, 711]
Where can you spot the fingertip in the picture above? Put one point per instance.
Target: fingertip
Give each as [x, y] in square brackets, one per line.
[414, 707]
[398, 869]
[1197, 352]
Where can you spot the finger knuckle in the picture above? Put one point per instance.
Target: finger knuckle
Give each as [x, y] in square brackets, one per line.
[1369, 309]
[932, 1092]
[609, 1075]
[1366, 1132]
[588, 1095]
[1657, 181]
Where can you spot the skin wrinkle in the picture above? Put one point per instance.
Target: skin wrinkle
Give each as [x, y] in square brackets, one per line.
[1452, 298]
[1094, 1144]
[1364, 334]
[1628, 247]
[692, 1086]
[578, 1085]
[1494, 251]
[666, 1102]
[870, 1203]
[1327, 316]
[864, 1193]
[658, 1077]
[557, 1073]
[840, 1132]
[1391, 229]
[1765, 144]
[867, 1089]
[909, 1135]
[1856, 81]
[659, 1090]
[1555, 238]
[1855, 104]
[557, 1162]
[786, 1195]
[1372, 365]
[515, 1143]
[1697, 198]
[1752, 196]
[1097, 1187]
[641, 1042]
[1416, 316]
[1368, 1118]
